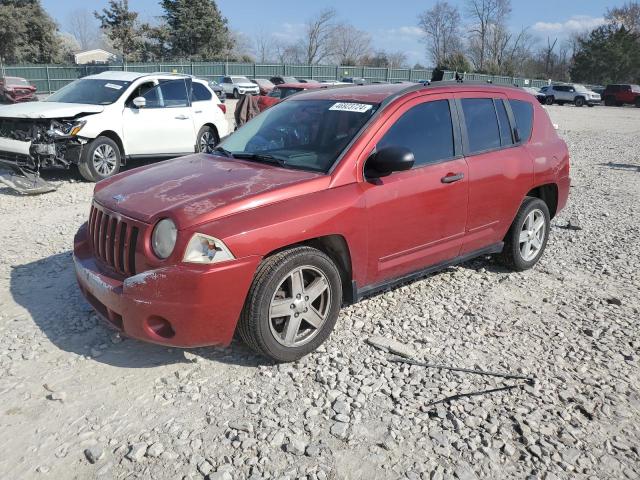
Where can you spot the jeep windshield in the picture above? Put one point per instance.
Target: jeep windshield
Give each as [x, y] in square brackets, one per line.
[302, 134]
[90, 91]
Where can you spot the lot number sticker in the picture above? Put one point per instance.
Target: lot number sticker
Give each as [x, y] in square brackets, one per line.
[351, 107]
[113, 85]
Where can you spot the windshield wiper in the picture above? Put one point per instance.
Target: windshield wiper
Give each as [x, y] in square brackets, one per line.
[261, 157]
[224, 152]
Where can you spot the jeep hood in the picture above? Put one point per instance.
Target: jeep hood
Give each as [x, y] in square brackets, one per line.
[48, 110]
[199, 188]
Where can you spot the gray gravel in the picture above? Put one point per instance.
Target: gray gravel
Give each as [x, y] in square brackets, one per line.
[77, 401]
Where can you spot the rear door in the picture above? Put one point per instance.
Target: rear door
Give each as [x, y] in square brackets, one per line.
[417, 217]
[165, 125]
[500, 171]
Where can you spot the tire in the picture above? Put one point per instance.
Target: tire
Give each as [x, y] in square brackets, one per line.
[236, 93]
[609, 101]
[637, 102]
[549, 100]
[207, 139]
[100, 159]
[512, 255]
[267, 335]
[579, 102]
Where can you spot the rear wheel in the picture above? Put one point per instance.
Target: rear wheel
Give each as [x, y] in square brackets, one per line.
[579, 102]
[100, 159]
[527, 237]
[236, 93]
[292, 305]
[637, 103]
[207, 139]
[549, 100]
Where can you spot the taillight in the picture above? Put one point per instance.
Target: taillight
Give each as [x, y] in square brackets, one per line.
[222, 107]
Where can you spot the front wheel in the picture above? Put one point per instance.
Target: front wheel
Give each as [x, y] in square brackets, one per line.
[579, 102]
[236, 93]
[292, 305]
[609, 101]
[548, 100]
[637, 104]
[527, 237]
[100, 159]
[207, 139]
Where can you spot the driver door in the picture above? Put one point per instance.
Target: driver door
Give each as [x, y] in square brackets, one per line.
[165, 125]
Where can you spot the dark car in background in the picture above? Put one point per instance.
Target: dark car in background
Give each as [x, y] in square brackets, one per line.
[264, 85]
[308, 80]
[284, 90]
[278, 80]
[16, 89]
[355, 80]
[218, 90]
[622, 94]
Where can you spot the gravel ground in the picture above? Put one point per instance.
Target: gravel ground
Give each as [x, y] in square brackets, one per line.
[77, 401]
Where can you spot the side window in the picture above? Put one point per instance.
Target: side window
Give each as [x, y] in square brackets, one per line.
[426, 130]
[200, 92]
[139, 91]
[482, 124]
[506, 138]
[523, 114]
[174, 93]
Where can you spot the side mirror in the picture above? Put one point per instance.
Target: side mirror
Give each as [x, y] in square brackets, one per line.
[388, 160]
[139, 102]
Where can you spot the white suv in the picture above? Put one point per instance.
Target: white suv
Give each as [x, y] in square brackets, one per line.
[100, 121]
[575, 93]
[236, 86]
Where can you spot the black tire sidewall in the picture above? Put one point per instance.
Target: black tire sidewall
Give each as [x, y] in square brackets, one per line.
[513, 242]
[86, 167]
[206, 128]
[579, 102]
[236, 93]
[260, 305]
[548, 101]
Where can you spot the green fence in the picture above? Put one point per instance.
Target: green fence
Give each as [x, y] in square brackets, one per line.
[49, 78]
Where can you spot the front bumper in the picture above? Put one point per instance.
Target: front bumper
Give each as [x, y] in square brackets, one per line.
[201, 304]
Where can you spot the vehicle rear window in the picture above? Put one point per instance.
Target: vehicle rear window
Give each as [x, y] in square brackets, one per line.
[503, 120]
[426, 130]
[523, 114]
[482, 124]
[200, 92]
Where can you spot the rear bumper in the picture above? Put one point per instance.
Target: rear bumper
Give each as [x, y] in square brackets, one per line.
[201, 304]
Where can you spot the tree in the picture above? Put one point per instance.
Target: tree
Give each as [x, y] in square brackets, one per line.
[263, 46]
[349, 44]
[317, 42]
[82, 25]
[27, 33]
[440, 26]
[628, 16]
[486, 16]
[198, 31]
[610, 54]
[122, 28]
[156, 42]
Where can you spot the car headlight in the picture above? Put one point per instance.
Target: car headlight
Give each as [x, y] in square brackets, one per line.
[206, 249]
[163, 239]
[75, 127]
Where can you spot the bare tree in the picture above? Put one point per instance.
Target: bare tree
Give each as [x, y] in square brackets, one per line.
[83, 26]
[549, 56]
[485, 16]
[349, 44]
[263, 46]
[628, 15]
[318, 32]
[440, 25]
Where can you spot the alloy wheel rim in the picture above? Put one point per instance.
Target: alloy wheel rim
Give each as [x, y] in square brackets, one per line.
[300, 306]
[532, 235]
[104, 159]
[207, 142]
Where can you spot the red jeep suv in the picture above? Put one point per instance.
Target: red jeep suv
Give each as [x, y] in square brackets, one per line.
[326, 197]
[619, 95]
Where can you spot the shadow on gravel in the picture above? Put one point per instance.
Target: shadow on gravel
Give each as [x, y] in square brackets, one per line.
[47, 290]
[621, 166]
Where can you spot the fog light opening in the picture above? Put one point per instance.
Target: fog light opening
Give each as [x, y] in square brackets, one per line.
[161, 327]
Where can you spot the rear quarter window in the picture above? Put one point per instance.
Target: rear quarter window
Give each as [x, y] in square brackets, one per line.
[482, 124]
[523, 114]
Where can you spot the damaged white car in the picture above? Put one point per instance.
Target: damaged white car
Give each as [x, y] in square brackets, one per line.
[101, 121]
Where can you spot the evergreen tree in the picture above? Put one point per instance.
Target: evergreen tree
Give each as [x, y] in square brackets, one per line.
[27, 33]
[122, 28]
[197, 29]
[610, 54]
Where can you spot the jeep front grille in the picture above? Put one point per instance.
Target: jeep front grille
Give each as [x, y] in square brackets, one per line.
[113, 240]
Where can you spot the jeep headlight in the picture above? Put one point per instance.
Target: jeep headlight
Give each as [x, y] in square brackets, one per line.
[163, 239]
[206, 249]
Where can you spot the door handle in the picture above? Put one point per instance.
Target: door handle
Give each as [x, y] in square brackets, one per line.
[182, 117]
[452, 177]
[198, 111]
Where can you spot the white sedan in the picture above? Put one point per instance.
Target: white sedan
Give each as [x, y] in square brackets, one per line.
[101, 121]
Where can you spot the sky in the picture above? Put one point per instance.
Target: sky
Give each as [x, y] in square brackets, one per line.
[392, 25]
